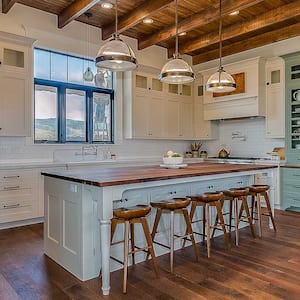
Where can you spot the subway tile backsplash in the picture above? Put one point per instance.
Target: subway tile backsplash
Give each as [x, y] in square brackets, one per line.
[246, 138]
[242, 137]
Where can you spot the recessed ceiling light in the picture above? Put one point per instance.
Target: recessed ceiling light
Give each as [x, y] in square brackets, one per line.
[234, 13]
[148, 21]
[182, 33]
[106, 5]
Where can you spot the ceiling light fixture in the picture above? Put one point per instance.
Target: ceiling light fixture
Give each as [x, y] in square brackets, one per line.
[221, 81]
[148, 21]
[106, 5]
[88, 74]
[116, 55]
[234, 13]
[176, 71]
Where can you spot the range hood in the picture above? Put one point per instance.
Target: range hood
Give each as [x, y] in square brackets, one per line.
[250, 102]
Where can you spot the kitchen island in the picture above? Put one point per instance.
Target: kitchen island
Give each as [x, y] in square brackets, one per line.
[76, 202]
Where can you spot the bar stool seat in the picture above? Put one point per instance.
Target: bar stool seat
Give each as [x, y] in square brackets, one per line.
[130, 216]
[256, 191]
[172, 206]
[206, 200]
[234, 195]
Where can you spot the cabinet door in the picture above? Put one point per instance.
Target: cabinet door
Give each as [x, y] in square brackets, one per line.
[155, 116]
[275, 99]
[186, 117]
[172, 121]
[13, 104]
[203, 130]
[141, 116]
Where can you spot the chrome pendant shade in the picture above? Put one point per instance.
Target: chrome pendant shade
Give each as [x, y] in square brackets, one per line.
[116, 55]
[221, 81]
[176, 70]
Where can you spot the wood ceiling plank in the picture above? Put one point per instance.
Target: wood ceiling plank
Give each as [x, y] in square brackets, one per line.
[269, 18]
[74, 10]
[197, 20]
[7, 5]
[254, 42]
[134, 17]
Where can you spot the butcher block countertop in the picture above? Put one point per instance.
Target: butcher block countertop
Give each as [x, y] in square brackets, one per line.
[127, 175]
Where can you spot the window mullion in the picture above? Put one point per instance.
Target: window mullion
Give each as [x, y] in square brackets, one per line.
[62, 114]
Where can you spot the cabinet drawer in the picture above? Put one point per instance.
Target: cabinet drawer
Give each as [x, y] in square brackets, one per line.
[14, 180]
[15, 207]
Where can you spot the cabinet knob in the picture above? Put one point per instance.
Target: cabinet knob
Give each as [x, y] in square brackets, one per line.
[268, 83]
[0, 128]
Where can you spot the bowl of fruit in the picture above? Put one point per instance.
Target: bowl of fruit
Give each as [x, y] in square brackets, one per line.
[172, 158]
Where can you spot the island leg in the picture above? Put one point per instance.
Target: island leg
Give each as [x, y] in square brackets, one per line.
[105, 255]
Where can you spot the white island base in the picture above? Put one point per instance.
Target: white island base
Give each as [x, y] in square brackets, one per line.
[77, 217]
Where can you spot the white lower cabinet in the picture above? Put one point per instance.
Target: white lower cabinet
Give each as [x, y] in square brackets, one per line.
[18, 195]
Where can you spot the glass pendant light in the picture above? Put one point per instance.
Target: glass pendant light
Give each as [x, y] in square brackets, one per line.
[221, 81]
[116, 55]
[88, 74]
[176, 71]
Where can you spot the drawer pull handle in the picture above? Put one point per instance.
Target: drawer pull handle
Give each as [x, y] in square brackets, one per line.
[11, 176]
[9, 188]
[296, 175]
[11, 206]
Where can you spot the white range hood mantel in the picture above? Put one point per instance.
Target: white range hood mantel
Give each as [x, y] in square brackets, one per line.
[251, 103]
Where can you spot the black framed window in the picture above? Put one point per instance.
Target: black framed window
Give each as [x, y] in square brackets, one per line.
[68, 109]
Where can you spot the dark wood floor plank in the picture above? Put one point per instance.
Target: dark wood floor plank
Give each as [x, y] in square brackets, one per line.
[267, 268]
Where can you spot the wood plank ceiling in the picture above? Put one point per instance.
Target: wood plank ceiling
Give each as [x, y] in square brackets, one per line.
[258, 22]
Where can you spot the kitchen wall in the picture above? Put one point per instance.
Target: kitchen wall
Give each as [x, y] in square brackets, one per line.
[42, 26]
[244, 138]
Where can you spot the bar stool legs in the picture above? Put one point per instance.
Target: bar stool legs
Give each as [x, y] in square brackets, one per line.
[172, 207]
[129, 217]
[256, 192]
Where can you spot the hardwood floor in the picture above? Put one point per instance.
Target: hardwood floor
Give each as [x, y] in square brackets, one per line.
[267, 268]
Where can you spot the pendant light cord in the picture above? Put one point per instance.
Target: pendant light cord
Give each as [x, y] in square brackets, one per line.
[176, 28]
[116, 13]
[220, 40]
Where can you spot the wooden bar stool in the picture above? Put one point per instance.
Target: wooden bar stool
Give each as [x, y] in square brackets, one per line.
[256, 191]
[206, 200]
[173, 206]
[234, 195]
[130, 216]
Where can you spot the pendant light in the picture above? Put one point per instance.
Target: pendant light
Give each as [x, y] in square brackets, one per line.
[221, 81]
[88, 74]
[116, 55]
[176, 71]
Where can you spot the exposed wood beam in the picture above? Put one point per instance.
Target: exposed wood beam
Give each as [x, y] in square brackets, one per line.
[197, 20]
[280, 14]
[131, 19]
[7, 5]
[254, 42]
[74, 10]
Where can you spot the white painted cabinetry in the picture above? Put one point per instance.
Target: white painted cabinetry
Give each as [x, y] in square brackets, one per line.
[153, 110]
[18, 195]
[275, 98]
[15, 85]
[143, 106]
[203, 129]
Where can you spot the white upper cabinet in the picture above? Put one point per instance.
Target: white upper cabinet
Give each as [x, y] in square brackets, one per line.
[275, 98]
[155, 110]
[203, 130]
[16, 80]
